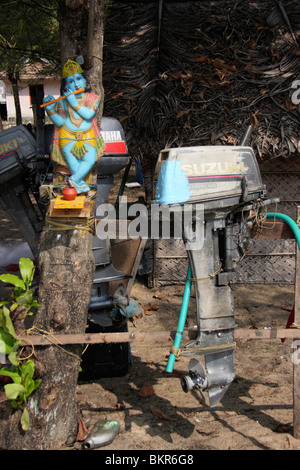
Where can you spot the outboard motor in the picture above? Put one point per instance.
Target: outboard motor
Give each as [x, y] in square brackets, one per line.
[18, 171]
[218, 184]
[114, 160]
[112, 359]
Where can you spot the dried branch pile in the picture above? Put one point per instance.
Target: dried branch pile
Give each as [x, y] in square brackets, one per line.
[194, 73]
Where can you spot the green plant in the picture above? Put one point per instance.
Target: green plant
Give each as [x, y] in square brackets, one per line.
[19, 370]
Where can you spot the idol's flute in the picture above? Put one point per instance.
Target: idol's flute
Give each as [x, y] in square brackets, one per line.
[61, 98]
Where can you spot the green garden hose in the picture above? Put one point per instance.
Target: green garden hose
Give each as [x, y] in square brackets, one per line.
[187, 291]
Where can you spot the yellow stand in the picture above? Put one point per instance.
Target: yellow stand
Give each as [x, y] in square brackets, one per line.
[60, 207]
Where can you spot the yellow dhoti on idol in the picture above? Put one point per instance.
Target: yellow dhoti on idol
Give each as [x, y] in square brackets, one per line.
[82, 139]
[63, 135]
[79, 138]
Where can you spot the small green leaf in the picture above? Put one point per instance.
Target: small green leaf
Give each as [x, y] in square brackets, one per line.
[13, 306]
[35, 304]
[13, 390]
[15, 376]
[32, 386]
[13, 356]
[25, 299]
[6, 323]
[6, 341]
[27, 371]
[25, 422]
[12, 279]
[27, 270]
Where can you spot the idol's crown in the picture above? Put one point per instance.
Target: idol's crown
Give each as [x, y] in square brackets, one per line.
[70, 68]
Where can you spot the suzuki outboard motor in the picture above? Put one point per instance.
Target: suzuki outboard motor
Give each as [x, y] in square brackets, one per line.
[218, 184]
[18, 164]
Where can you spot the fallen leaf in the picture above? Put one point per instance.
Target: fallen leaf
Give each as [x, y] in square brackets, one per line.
[82, 431]
[182, 113]
[219, 64]
[252, 46]
[254, 121]
[136, 85]
[147, 390]
[159, 295]
[160, 414]
[288, 104]
[148, 310]
[199, 59]
[249, 67]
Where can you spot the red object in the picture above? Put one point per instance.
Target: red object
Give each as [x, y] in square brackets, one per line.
[69, 193]
[289, 322]
[4, 379]
[115, 147]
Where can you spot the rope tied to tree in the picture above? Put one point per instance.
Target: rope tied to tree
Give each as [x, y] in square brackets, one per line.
[65, 223]
[52, 339]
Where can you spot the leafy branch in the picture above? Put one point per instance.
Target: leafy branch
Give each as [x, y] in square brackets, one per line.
[19, 372]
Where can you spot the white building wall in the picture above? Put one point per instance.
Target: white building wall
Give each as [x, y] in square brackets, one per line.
[50, 88]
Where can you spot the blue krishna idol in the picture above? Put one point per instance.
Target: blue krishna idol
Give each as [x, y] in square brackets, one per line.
[77, 142]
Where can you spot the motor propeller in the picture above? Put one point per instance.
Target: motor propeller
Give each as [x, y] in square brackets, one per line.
[215, 378]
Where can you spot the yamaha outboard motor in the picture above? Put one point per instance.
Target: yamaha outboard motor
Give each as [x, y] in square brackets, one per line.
[112, 359]
[114, 160]
[218, 185]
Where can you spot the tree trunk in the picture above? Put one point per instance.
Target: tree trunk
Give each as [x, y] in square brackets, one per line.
[15, 90]
[66, 266]
[74, 23]
[66, 274]
[95, 72]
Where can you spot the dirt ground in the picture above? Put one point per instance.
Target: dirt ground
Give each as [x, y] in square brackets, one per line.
[155, 413]
[256, 413]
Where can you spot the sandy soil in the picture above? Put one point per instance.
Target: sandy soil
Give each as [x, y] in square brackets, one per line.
[155, 413]
[256, 413]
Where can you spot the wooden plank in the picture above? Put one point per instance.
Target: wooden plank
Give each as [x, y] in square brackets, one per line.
[96, 338]
[296, 367]
[44, 339]
[266, 333]
[136, 264]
